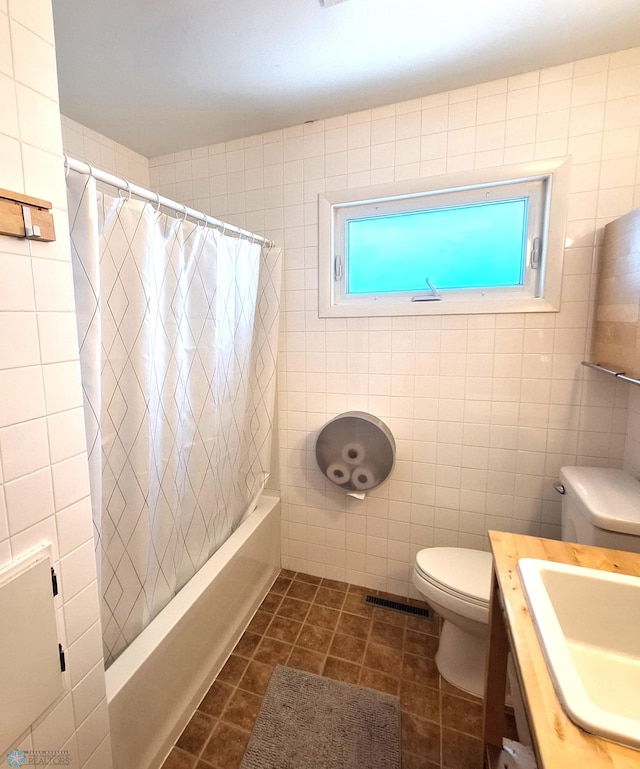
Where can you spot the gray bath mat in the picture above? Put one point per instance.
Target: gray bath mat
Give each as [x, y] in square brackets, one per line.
[310, 722]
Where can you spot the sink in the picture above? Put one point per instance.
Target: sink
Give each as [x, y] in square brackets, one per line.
[588, 625]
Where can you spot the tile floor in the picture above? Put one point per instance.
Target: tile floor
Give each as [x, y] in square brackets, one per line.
[322, 626]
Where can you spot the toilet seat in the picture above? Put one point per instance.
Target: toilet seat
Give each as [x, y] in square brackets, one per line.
[460, 572]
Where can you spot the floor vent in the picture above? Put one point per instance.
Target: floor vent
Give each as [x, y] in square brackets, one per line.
[385, 603]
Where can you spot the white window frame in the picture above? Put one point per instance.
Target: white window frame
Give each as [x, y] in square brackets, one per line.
[541, 291]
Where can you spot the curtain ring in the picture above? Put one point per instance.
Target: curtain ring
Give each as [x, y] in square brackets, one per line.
[128, 198]
[66, 166]
[184, 209]
[224, 228]
[157, 206]
[90, 167]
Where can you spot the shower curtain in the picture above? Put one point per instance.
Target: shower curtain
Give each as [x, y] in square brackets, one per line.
[177, 326]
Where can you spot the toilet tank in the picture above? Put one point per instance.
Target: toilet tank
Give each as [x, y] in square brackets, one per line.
[601, 507]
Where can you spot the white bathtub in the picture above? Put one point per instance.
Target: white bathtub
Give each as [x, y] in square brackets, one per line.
[157, 682]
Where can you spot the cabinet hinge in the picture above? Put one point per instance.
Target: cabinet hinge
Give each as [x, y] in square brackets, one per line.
[54, 582]
[63, 664]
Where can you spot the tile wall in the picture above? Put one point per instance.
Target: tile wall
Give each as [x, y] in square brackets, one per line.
[43, 467]
[484, 408]
[84, 144]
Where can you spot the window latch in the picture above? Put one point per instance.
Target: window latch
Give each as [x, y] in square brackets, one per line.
[433, 296]
[337, 268]
[535, 254]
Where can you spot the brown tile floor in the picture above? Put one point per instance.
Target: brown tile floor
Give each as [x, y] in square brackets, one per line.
[322, 626]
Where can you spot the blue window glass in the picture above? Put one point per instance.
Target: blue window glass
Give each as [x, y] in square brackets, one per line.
[467, 246]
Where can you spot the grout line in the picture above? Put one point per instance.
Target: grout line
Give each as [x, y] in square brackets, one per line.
[235, 688]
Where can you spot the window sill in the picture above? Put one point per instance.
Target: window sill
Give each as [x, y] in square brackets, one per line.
[443, 307]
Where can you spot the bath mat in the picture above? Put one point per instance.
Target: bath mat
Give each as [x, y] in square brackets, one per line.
[310, 722]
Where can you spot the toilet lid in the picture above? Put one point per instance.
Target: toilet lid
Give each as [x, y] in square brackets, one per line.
[458, 569]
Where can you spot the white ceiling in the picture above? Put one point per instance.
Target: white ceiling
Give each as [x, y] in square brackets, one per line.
[165, 75]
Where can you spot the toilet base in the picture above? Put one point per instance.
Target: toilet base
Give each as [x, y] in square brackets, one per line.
[461, 658]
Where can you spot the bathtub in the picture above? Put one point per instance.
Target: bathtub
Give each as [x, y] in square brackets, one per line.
[157, 682]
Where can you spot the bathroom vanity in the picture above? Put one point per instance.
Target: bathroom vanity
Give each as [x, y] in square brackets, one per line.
[558, 742]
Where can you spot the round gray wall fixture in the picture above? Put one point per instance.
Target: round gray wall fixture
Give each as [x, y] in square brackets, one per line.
[356, 451]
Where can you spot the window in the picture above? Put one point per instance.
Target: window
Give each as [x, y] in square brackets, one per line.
[477, 242]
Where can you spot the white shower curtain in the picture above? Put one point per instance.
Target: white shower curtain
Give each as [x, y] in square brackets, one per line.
[177, 326]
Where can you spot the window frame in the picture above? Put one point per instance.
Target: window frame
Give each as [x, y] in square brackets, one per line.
[552, 177]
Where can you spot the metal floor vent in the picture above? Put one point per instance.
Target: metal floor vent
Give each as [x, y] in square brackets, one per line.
[385, 603]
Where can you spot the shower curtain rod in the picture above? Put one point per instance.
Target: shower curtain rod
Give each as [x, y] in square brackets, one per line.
[153, 197]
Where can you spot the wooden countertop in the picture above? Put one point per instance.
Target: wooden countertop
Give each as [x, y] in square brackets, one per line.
[559, 743]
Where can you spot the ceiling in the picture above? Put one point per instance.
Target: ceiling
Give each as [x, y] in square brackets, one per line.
[164, 75]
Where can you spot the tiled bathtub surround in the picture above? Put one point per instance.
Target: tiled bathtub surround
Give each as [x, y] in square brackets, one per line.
[485, 409]
[322, 626]
[43, 465]
[101, 152]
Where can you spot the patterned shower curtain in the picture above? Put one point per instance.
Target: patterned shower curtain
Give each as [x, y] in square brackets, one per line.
[177, 325]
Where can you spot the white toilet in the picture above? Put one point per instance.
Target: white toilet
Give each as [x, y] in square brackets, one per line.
[456, 583]
[600, 507]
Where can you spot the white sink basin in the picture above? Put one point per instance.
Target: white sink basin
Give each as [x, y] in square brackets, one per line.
[588, 624]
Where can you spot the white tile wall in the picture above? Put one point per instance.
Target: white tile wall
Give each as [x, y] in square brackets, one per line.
[485, 409]
[43, 478]
[91, 147]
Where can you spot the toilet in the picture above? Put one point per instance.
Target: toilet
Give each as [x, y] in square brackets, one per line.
[456, 583]
[600, 507]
